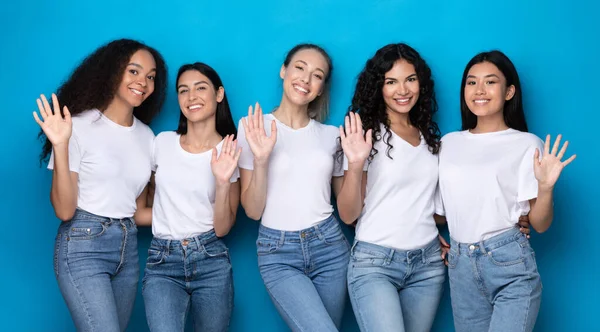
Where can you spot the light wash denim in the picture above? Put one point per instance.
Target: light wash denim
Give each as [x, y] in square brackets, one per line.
[494, 284]
[305, 274]
[192, 275]
[96, 265]
[395, 290]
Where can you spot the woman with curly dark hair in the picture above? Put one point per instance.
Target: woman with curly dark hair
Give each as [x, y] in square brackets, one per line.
[491, 173]
[390, 183]
[100, 149]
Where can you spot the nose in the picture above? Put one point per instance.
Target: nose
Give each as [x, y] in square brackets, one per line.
[480, 89]
[142, 82]
[402, 89]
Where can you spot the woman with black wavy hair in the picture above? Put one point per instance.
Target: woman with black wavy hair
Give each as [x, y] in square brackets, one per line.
[491, 173]
[396, 272]
[194, 205]
[100, 149]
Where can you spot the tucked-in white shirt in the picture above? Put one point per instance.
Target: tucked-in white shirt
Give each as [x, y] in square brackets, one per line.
[301, 166]
[486, 181]
[113, 163]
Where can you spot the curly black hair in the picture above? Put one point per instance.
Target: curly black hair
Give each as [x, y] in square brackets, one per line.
[94, 83]
[369, 103]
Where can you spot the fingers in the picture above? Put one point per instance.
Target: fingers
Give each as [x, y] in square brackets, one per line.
[255, 117]
[369, 137]
[226, 145]
[536, 159]
[41, 109]
[260, 119]
[561, 154]
[35, 117]
[233, 146]
[46, 106]
[353, 123]
[236, 158]
[67, 114]
[358, 122]
[250, 119]
[342, 134]
[213, 158]
[547, 145]
[347, 125]
[55, 105]
[556, 144]
[273, 131]
[568, 161]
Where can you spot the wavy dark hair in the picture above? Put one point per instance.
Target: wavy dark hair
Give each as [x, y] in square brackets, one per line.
[318, 109]
[369, 103]
[513, 113]
[94, 83]
[224, 122]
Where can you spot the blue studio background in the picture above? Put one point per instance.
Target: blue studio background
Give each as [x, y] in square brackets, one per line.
[554, 45]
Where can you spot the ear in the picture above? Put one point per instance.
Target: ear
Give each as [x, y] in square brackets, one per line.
[510, 92]
[220, 94]
[282, 72]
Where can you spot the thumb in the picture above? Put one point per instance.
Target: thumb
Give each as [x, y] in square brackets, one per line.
[213, 158]
[273, 130]
[369, 137]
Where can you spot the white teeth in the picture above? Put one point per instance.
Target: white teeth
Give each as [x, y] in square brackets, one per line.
[300, 89]
[481, 101]
[403, 100]
[137, 92]
[194, 107]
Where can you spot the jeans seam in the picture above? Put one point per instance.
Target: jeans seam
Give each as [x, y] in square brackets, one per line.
[358, 312]
[122, 258]
[284, 310]
[79, 294]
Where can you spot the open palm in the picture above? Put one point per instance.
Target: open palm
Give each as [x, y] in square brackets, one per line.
[548, 168]
[260, 144]
[356, 147]
[225, 163]
[55, 127]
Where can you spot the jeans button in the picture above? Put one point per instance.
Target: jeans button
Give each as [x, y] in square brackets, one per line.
[471, 247]
[185, 242]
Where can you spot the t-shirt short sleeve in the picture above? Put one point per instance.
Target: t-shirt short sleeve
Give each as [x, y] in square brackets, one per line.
[528, 185]
[75, 153]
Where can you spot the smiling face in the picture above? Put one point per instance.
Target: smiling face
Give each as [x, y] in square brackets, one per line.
[197, 96]
[400, 88]
[137, 83]
[304, 77]
[486, 91]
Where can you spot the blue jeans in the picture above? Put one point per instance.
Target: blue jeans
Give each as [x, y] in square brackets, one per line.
[305, 274]
[395, 290]
[494, 284]
[188, 275]
[97, 269]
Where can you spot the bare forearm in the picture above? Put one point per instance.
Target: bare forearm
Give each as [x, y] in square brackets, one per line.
[64, 192]
[349, 200]
[143, 216]
[224, 216]
[254, 198]
[542, 211]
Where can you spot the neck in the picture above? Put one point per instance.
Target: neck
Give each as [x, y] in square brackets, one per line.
[201, 134]
[399, 120]
[489, 124]
[292, 115]
[119, 113]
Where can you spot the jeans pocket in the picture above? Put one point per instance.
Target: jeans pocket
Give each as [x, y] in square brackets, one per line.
[435, 257]
[86, 230]
[265, 246]
[334, 236]
[361, 258]
[216, 249]
[155, 257]
[506, 255]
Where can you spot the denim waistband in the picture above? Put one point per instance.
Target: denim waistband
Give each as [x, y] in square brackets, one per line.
[396, 254]
[328, 225]
[492, 243]
[190, 243]
[82, 215]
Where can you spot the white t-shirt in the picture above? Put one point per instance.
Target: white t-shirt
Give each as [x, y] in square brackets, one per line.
[486, 181]
[301, 166]
[400, 195]
[113, 162]
[184, 197]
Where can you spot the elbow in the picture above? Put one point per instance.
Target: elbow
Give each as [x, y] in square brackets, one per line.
[221, 232]
[541, 228]
[64, 214]
[347, 219]
[253, 215]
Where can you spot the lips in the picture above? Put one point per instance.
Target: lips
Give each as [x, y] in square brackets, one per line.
[301, 90]
[195, 107]
[403, 101]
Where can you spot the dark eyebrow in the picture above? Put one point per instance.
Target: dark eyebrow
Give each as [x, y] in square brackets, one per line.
[306, 64]
[140, 66]
[195, 83]
[490, 75]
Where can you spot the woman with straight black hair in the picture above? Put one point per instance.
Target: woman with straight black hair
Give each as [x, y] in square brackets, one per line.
[491, 173]
[194, 205]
